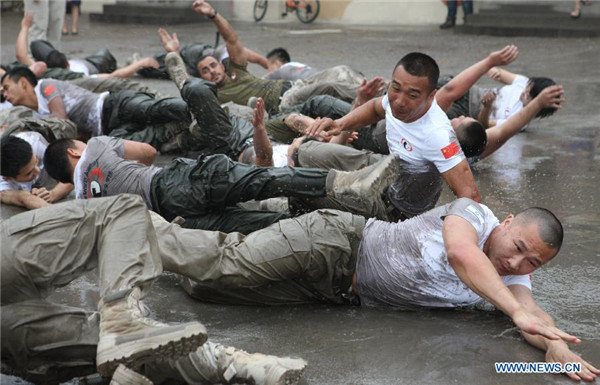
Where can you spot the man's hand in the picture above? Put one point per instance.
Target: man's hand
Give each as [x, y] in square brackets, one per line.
[504, 57]
[494, 74]
[551, 97]
[258, 120]
[170, 43]
[27, 20]
[324, 125]
[488, 99]
[560, 352]
[368, 90]
[530, 323]
[203, 8]
[41, 193]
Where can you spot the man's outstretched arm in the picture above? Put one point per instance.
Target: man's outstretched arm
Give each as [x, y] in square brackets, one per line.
[21, 45]
[461, 181]
[261, 142]
[22, 198]
[550, 97]
[474, 268]
[556, 351]
[237, 54]
[461, 83]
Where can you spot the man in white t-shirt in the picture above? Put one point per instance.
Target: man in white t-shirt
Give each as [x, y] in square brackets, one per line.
[452, 256]
[23, 172]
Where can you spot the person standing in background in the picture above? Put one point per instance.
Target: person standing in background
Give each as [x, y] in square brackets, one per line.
[47, 20]
[452, 6]
[74, 9]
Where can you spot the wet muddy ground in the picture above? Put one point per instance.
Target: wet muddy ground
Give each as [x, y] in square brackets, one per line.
[554, 164]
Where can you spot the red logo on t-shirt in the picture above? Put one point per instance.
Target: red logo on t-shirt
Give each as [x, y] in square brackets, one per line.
[95, 183]
[49, 90]
[450, 150]
[406, 145]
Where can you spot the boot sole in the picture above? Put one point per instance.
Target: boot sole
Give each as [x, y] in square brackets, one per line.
[162, 344]
[381, 177]
[294, 369]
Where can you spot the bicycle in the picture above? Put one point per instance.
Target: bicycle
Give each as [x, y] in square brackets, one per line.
[306, 10]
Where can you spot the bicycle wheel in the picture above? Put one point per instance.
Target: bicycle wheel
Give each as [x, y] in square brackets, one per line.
[308, 10]
[260, 9]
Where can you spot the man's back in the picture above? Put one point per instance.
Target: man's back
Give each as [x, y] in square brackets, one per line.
[102, 171]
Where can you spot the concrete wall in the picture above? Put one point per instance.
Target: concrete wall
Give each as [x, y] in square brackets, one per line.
[400, 12]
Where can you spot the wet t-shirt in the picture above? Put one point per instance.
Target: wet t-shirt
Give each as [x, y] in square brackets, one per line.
[508, 101]
[102, 171]
[83, 107]
[292, 71]
[405, 264]
[242, 85]
[428, 147]
[38, 146]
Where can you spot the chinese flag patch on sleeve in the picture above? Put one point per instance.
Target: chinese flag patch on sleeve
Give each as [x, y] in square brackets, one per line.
[450, 150]
[49, 90]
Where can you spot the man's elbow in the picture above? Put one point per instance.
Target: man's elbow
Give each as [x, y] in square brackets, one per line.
[150, 154]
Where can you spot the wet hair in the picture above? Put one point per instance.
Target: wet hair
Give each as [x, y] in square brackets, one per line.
[549, 227]
[419, 64]
[57, 59]
[207, 55]
[294, 155]
[537, 86]
[472, 138]
[280, 54]
[56, 160]
[248, 155]
[17, 73]
[15, 153]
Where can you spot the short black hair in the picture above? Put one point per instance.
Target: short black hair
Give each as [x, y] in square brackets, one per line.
[17, 73]
[56, 160]
[420, 64]
[549, 226]
[472, 138]
[537, 86]
[15, 153]
[205, 56]
[280, 54]
[57, 59]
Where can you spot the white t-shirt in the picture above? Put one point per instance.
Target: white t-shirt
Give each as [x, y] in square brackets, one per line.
[38, 145]
[405, 264]
[430, 139]
[508, 101]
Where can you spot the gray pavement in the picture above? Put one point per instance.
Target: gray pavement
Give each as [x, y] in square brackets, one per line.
[555, 164]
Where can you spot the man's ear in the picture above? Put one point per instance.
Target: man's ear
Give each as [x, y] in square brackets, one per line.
[507, 221]
[432, 95]
[74, 152]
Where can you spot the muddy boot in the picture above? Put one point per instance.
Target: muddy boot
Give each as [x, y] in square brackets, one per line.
[125, 376]
[361, 192]
[176, 69]
[127, 336]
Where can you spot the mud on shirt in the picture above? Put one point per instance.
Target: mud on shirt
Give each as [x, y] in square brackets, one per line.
[102, 171]
[405, 264]
[83, 107]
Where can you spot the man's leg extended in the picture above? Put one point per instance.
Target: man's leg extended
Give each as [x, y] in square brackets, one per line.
[335, 156]
[299, 260]
[52, 246]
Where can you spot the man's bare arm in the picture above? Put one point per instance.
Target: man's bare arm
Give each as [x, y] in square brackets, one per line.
[139, 152]
[256, 58]
[501, 75]
[460, 180]
[60, 191]
[237, 54]
[57, 108]
[22, 198]
[461, 83]
[21, 46]
[369, 113]
[550, 97]
[556, 350]
[261, 142]
[474, 268]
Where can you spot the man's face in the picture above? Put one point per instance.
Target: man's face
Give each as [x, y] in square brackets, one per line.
[409, 95]
[525, 95]
[28, 172]
[517, 249]
[213, 71]
[456, 122]
[16, 92]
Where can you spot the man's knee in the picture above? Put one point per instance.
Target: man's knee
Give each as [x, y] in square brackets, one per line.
[198, 88]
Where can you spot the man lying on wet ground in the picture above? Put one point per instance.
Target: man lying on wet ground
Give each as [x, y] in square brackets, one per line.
[452, 256]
